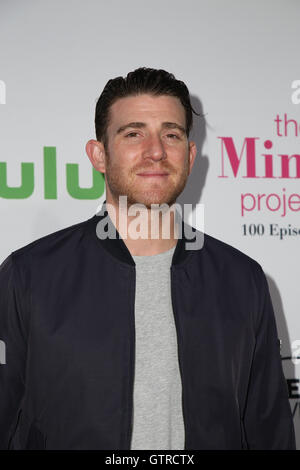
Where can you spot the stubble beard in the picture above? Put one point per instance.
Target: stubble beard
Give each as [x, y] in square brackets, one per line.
[128, 184]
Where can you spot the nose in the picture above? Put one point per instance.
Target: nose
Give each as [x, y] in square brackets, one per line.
[154, 148]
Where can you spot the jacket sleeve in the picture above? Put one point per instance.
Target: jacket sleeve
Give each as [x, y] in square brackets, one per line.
[13, 347]
[268, 420]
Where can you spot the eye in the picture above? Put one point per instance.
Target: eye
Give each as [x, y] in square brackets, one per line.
[174, 135]
[131, 133]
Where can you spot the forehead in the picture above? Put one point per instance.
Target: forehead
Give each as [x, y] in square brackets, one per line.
[144, 108]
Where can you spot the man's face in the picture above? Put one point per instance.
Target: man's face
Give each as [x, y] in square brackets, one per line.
[147, 145]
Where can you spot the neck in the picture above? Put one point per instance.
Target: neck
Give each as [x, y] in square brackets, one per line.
[144, 231]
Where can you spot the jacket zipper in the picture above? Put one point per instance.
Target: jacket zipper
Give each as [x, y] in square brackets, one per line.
[178, 347]
[12, 435]
[131, 379]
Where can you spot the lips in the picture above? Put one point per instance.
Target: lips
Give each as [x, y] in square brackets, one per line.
[153, 173]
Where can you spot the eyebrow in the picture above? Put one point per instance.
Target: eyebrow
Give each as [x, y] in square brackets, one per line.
[165, 125]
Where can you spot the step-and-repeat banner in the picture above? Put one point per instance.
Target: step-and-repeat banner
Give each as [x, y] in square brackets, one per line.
[240, 61]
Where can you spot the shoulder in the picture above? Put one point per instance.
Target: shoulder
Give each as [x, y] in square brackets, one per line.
[229, 260]
[237, 273]
[228, 252]
[57, 242]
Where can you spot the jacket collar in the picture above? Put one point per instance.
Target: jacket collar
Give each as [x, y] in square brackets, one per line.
[117, 248]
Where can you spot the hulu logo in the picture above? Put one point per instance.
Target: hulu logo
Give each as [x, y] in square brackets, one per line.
[26, 188]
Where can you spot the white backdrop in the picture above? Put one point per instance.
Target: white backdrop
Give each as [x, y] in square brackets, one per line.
[239, 61]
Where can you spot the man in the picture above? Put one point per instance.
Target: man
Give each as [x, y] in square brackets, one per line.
[119, 342]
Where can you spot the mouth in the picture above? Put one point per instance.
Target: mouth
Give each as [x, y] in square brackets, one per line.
[153, 174]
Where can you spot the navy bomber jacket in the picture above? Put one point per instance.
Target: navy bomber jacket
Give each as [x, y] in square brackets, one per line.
[67, 329]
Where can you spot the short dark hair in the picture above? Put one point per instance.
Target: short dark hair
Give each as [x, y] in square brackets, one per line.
[142, 80]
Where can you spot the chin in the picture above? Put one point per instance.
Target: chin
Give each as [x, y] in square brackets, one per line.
[149, 199]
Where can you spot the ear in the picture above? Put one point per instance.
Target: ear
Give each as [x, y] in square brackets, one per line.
[192, 154]
[96, 153]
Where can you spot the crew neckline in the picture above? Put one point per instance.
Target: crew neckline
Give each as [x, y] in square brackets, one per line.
[156, 256]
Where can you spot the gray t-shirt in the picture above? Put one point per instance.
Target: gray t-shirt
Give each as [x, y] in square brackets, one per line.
[157, 402]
